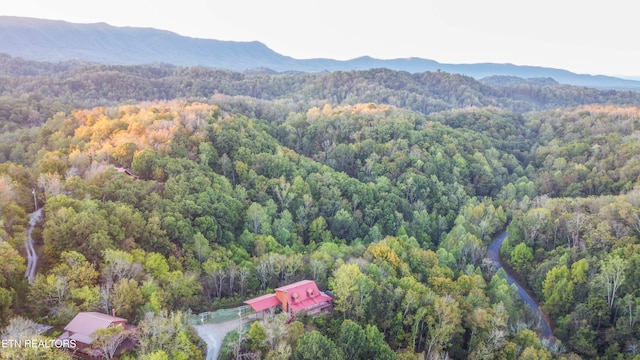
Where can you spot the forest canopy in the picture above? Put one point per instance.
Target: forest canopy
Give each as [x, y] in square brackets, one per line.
[383, 187]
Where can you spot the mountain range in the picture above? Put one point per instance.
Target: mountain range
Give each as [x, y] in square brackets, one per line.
[60, 41]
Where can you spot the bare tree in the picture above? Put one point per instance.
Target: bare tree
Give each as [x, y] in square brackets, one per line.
[120, 265]
[264, 269]
[233, 273]
[108, 340]
[318, 269]
[244, 273]
[218, 275]
[105, 297]
[575, 225]
[20, 328]
[275, 329]
[612, 276]
[620, 230]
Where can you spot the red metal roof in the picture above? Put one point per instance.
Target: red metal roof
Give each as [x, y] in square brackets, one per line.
[301, 295]
[310, 302]
[263, 302]
[303, 284]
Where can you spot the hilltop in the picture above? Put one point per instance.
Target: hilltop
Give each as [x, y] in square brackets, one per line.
[57, 41]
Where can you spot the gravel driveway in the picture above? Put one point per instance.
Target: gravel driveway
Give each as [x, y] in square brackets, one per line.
[213, 334]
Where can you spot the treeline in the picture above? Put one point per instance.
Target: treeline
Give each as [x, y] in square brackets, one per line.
[33, 92]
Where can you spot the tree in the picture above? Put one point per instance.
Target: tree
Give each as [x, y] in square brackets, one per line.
[352, 340]
[580, 271]
[521, 257]
[21, 329]
[156, 265]
[315, 346]
[575, 226]
[557, 289]
[108, 340]
[257, 217]
[181, 289]
[376, 347]
[201, 246]
[283, 193]
[5, 306]
[127, 299]
[217, 271]
[123, 153]
[120, 265]
[318, 232]
[352, 290]
[156, 355]
[533, 223]
[145, 163]
[12, 267]
[244, 273]
[344, 226]
[275, 329]
[318, 267]
[167, 333]
[76, 269]
[446, 322]
[49, 296]
[612, 276]
[257, 337]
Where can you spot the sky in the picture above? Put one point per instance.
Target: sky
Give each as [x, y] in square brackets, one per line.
[587, 36]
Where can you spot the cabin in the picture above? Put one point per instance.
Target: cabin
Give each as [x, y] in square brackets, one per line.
[78, 334]
[299, 297]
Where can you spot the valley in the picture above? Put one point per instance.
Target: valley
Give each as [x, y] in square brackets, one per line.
[390, 190]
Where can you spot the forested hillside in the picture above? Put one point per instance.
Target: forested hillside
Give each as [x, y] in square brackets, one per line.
[31, 92]
[384, 187]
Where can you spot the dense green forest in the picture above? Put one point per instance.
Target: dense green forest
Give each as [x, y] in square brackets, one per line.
[384, 187]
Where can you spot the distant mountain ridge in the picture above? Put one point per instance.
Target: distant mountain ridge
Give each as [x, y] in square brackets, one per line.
[57, 41]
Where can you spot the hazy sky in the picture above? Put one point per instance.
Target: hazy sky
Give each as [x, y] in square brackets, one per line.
[581, 36]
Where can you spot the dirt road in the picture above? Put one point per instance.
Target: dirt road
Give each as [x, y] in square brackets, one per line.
[32, 255]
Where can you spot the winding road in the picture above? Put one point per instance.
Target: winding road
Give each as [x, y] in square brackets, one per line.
[32, 255]
[213, 334]
[493, 252]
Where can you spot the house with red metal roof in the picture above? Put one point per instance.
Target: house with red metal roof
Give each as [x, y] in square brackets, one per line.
[300, 297]
[79, 333]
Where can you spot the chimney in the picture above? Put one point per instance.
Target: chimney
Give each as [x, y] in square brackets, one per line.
[113, 312]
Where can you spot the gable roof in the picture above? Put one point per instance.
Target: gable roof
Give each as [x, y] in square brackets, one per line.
[302, 295]
[263, 302]
[297, 286]
[310, 302]
[86, 323]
